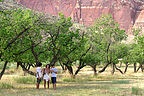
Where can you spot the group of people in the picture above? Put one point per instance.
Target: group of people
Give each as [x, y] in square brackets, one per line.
[45, 72]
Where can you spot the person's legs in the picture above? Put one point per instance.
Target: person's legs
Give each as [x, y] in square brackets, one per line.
[48, 83]
[54, 83]
[54, 86]
[52, 78]
[37, 85]
[38, 82]
[44, 83]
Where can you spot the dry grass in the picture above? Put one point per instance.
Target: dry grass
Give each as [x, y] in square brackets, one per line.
[105, 84]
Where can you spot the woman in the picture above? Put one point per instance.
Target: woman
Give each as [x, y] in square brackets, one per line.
[46, 77]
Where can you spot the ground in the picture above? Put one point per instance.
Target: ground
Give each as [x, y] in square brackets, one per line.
[14, 83]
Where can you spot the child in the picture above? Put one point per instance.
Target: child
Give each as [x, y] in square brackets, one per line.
[38, 74]
[46, 77]
[53, 76]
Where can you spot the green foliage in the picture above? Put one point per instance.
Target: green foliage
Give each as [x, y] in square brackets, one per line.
[68, 45]
[105, 38]
[28, 38]
[16, 23]
[25, 80]
[6, 85]
[136, 32]
[135, 52]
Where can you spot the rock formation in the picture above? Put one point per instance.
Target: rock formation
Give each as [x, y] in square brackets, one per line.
[128, 13]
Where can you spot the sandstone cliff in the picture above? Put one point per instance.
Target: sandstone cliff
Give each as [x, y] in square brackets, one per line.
[128, 13]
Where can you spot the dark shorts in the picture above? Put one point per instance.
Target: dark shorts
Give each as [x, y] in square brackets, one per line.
[53, 79]
[38, 80]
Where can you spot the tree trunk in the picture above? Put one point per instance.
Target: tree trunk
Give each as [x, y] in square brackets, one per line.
[24, 73]
[65, 68]
[2, 72]
[26, 70]
[94, 69]
[118, 69]
[70, 69]
[120, 64]
[17, 66]
[104, 68]
[79, 69]
[34, 53]
[126, 67]
[73, 76]
[62, 66]
[135, 67]
[113, 67]
[140, 67]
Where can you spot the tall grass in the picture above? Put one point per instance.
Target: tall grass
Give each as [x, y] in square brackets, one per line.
[80, 80]
[137, 91]
[25, 80]
[6, 85]
[120, 82]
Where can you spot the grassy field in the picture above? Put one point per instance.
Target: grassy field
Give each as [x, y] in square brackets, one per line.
[14, 83]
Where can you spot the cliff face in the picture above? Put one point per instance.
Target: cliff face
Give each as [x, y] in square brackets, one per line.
[128, 13]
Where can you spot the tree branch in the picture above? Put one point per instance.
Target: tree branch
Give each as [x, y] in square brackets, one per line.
[118, 69]
[27, 70]
[12, 41]
[2, 72]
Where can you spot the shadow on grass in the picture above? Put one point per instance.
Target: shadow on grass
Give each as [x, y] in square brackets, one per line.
[99, 82]
[83, 87]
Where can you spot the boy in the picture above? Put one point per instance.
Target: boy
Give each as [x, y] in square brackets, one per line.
[53, 76]
[38, 74]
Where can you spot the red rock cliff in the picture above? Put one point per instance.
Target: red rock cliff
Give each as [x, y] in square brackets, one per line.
[128, 13]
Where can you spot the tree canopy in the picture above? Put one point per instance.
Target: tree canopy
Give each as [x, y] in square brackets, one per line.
[28, 37]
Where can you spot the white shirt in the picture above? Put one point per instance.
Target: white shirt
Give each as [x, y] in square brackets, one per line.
[39, 72]
[53, 74]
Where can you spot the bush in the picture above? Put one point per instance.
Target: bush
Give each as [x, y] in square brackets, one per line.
[25, 80]
[6, 85]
